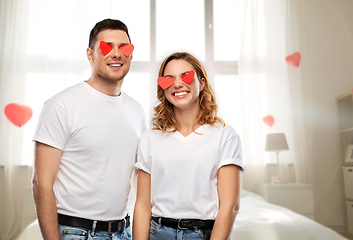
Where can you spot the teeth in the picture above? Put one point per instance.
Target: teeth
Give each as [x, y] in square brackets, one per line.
[180, 94]
[115, 65]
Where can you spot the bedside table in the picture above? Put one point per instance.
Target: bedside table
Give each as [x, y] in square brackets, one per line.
[296, 197]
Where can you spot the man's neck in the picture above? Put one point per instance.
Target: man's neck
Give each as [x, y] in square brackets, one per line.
[106, 87]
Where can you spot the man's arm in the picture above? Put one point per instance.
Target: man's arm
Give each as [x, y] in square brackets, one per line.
[46, 166]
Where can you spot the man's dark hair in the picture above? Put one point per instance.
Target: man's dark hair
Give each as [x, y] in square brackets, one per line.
[105, 24]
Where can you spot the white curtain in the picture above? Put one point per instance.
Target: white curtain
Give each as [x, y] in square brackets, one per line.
[271, 31]
[301, 99]
[34, 52]
[42, 51]
[13, 33]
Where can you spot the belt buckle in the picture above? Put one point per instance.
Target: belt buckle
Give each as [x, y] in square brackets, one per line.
[110, 227]
[179, 225]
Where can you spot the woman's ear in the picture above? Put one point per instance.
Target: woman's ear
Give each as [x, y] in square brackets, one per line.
[89, 53]
[202, 84]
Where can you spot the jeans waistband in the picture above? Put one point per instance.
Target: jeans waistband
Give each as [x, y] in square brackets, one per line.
[106, 226]
[185, 224]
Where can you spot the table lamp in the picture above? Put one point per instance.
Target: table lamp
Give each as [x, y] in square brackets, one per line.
[276, 142]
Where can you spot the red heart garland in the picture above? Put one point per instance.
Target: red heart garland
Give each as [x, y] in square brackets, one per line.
[126, 49]
[18, 114]
[268, 120]
[188, 77]
[106, 48]
[294, 59]
[165, 82]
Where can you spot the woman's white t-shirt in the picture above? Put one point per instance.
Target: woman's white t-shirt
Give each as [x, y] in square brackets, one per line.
[184, 169]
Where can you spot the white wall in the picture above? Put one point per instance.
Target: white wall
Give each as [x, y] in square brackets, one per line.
[330, 59]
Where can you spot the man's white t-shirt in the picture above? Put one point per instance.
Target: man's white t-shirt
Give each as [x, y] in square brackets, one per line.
[184, 169]
[98, 136]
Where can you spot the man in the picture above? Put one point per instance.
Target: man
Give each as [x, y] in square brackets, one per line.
[85, 146]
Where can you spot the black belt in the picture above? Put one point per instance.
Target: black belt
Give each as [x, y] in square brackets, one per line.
[106, 226]
[185, 224]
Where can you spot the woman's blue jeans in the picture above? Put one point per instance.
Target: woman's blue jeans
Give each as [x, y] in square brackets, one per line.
[158, 231]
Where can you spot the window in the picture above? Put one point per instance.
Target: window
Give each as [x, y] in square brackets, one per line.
[180, 28]
[58, 37]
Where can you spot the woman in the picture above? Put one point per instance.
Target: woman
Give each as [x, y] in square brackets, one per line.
[190, 163]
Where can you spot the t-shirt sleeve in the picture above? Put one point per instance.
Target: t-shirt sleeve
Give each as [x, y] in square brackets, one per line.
[143, 156]
[52, 128]
[231, 152]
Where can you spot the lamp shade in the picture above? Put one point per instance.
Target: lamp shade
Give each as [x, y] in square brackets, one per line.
[276, 142]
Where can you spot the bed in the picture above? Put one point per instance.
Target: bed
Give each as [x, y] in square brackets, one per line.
[257, 219]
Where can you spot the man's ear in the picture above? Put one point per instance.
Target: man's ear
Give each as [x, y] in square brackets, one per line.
[89, 53]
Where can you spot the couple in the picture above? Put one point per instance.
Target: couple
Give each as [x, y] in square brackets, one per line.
[90, 138]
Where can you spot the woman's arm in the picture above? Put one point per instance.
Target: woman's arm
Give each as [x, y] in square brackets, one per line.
[229, 184]
[142, 210]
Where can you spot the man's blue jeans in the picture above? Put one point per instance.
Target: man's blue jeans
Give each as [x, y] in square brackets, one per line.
[74, 233]
[158, 231]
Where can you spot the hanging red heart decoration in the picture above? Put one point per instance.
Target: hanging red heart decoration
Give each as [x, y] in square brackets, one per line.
[188, 77]
[268, 120]
[294, 59]
[165, 82]
[106, 48]
[18, 114]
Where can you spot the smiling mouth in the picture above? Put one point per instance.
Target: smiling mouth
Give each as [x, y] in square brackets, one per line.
[115, 65]
[179, 94]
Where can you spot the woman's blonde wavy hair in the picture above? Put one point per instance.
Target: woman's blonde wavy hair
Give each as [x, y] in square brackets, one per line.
[164, 117]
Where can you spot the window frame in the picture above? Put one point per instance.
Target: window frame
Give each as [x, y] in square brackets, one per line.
[151, 66]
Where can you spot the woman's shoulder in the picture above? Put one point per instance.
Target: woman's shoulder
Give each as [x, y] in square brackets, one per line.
[223, 131]
[224, 128]
[151, 132]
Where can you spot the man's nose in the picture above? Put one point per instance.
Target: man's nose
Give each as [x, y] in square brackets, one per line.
[116, 52]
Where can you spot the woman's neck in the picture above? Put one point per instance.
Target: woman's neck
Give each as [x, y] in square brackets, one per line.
[186, 120]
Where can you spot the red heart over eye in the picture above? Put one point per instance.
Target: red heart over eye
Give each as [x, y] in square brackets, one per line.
[165, 82]
[106, 48]
[188, 77]
[126, 49]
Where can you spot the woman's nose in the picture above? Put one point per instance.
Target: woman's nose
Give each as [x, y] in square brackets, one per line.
[178, 82]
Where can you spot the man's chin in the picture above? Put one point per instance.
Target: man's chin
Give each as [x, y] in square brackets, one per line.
[112, 80]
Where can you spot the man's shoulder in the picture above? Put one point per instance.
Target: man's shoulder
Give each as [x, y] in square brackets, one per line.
[68, 93]
[128, 98]
[133, 103]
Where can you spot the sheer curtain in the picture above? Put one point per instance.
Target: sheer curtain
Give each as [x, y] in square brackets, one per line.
[13, 34]
[270, 86]
[43, 45]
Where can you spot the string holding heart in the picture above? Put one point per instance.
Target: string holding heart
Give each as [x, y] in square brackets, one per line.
[167, 82]
[126, 50]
